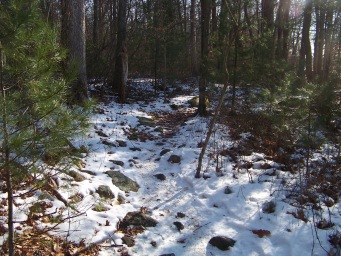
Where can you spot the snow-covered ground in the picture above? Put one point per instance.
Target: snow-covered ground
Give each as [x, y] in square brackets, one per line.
[209, 211]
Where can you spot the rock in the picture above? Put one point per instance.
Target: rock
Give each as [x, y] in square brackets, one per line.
[123, 182]
[269, 207]
[108, 143]
[137, 219]
[167, 254]
[88, 172]
[128, 240]
[135, 149]
[121, 143]
[228, 190]
[146, 121]
[101, 134]
[164, 151]
[117, 162]
[76, 176]
[222, 242]
[133, 161]
[179, 225]
[160, 176]
[121, 199]
[100, 208]
[174, 159]
[105, 191]
[180, 215]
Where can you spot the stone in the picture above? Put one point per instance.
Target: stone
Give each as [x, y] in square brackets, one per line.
[227, 190]
[128, 240]
[121, 143]
[167, 254]
[222, 242]
[179, 225]
[123, 182]
[117, 162]
[269, 207]
[160, 176]
[105, 191]
[174, 159]
[138, 219]
[101, 134]
[88, 172]
[108, 143]
[146, 121]
[164, 151]
[180, 215]
[76, 176]
[135, 149]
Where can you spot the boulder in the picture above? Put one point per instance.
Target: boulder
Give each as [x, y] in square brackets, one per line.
[222, 242]
[121, 143]
[117, 162]
[146, 121]
[174, 159]
[138, 219]
[160, 176]
[105, 192]
[123, 182]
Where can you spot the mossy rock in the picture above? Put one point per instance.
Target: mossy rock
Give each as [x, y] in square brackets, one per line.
[194, 102]
[146, 121]
[100, 208]
[123, 182]
[105, 192]
[76, 175]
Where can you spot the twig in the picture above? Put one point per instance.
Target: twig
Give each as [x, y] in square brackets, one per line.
[201, 226]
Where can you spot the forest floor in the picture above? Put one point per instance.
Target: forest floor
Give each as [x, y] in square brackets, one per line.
[156, 142]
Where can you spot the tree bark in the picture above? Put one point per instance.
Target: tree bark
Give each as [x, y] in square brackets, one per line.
[305, 61]
[320, 13]
[205, 26]
[73, 39]
[194, 54]
[121, 65]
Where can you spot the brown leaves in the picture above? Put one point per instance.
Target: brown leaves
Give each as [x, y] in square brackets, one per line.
[261, 232]
[36, 242]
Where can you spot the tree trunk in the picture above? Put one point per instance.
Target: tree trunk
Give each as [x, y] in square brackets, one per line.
[320, 13]
[328, 43]
[305, 62]
[283, 29]
[73, 39]
[121, 65]
[267, 15]
[6, 160]
[205, 25]
[194, 55]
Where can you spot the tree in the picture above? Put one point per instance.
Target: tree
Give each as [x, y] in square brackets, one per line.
[194, 55]
[35, 120]
[73, 39]
[305, 61]
[205, 26]
[121, 64]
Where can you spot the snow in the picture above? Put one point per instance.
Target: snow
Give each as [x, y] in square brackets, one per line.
[209, 211]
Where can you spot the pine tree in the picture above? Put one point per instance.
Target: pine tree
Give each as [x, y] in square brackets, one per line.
[35, 120]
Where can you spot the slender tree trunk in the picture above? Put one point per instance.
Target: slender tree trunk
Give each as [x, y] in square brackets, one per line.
[305, 62]
[194, 54]
[121, 66]
[328, 43]
[6, 160]
[205, 26]
[320, 13]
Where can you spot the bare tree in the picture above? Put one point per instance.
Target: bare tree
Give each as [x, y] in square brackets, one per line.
[121, 64]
